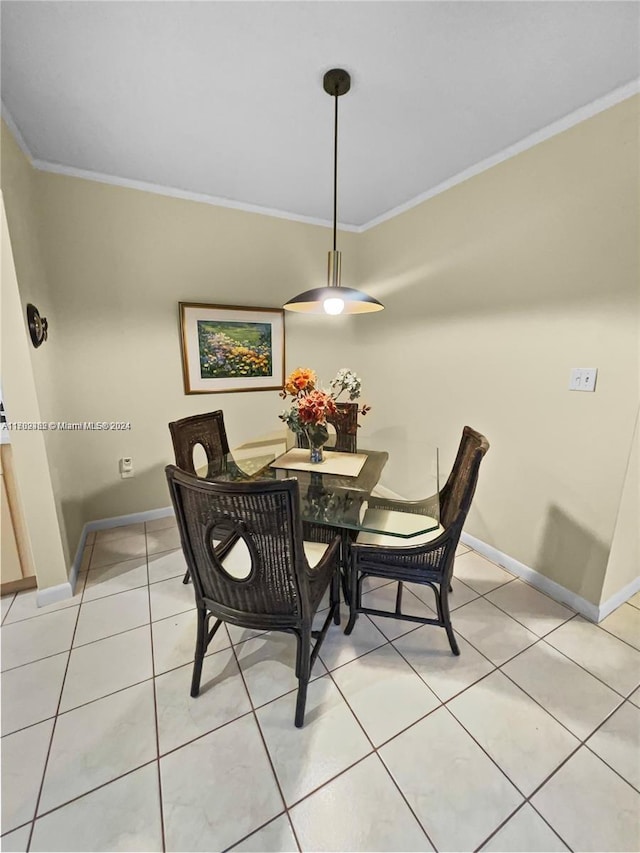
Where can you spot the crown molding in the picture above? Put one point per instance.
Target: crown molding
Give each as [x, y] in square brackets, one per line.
[576, 117]
[582, 114]
[15, 130]
[187, 195]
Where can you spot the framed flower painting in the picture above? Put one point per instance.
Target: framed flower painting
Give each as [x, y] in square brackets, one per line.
[230, 348]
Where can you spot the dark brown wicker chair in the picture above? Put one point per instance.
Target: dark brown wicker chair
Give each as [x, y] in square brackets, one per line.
[345, 422]
[206, 430]
[431, 562]
[262, 576]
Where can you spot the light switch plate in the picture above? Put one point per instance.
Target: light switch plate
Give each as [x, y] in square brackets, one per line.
[589, 376]
[583, 378]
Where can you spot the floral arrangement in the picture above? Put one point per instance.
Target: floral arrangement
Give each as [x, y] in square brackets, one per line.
[312, 406]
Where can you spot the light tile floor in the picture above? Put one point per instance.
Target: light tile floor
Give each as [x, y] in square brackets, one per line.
[528, 741]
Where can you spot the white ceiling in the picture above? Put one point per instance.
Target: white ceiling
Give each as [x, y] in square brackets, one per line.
[225, 98]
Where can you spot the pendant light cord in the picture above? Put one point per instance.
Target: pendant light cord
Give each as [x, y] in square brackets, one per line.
[335, 169]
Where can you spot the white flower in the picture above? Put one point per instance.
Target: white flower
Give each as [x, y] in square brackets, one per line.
[346, 380]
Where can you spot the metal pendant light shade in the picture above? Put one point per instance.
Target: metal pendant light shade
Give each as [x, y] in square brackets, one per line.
[334, 299]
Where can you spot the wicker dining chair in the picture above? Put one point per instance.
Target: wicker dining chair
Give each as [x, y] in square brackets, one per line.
[430, 561]
[206, 430]
[263, 575]
[345, 423]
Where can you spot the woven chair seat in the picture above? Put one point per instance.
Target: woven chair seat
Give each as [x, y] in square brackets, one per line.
[237, 561]
[389, 519]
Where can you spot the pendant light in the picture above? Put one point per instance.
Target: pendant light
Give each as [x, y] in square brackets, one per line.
[334, 299]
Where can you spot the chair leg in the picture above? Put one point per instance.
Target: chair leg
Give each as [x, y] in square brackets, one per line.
[450, 587]
[446, 618]
[399, 598]
[303, 671]
[345, 563]
[354, 601]
[334, 596]
[201, 647]
[185, 579]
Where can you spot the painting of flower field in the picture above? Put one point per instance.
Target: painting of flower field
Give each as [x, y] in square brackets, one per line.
[233, 350]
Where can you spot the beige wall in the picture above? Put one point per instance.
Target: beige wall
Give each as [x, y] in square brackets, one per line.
[120, 261]
[494, 290]
[623, 566]
[30, 462]
[19, 186]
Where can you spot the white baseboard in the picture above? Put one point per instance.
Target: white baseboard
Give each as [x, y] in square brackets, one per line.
[74, 571]
[105, 524]
[619, 598]
[539, 581]
[593, 612]
[52, 594]
[132, 518]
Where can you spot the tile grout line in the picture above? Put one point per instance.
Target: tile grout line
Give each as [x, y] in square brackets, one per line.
[94, 789]
[81, 646]
[498, 668]
[584, 669]
[125, 687]
[615, 636]
[550, 713]
[445, 704]
[259, 829]
[574, 615]
[375, 748]
[566, 607]
[604, 761]
[328, 673]
[340, 773]
[205, 734]
[542, 817]
[266, 749]
[388, 641]
[582, 743]
[508, 819]
[14, 594]
[85, 793]
[155, 708]
[116, 778]
[53, 732]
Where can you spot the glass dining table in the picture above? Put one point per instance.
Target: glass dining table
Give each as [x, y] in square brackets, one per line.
[388, 489]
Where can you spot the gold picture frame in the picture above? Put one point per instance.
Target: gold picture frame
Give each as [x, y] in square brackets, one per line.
[228, 348]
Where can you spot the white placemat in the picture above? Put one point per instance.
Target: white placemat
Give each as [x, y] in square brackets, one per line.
[343, 464]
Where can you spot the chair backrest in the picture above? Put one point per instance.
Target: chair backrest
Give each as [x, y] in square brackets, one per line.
[458, 491]
[345, 423]
[206, 430]
[264, 523]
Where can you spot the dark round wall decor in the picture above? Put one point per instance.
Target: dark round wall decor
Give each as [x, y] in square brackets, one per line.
[38, 325]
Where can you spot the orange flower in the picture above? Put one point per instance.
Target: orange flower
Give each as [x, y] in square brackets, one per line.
[302, 379]
[315, 406]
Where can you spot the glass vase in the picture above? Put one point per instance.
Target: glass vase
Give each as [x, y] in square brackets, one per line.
[317, 436]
